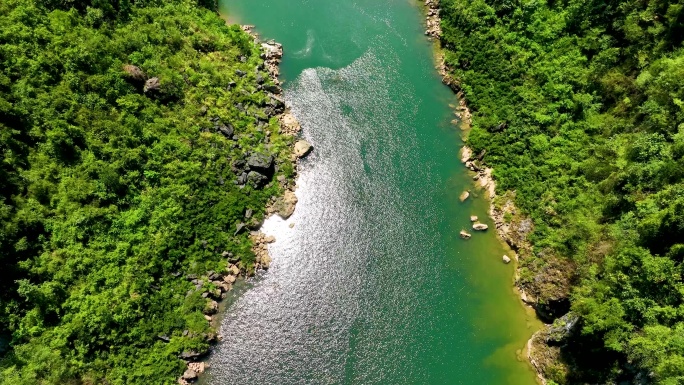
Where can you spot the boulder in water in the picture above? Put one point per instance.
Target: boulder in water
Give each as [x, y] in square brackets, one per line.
[465, 234]
[464, 195]
[473, 218]
[506, 259]
[480, 227]
[302, 148]
[286, 205]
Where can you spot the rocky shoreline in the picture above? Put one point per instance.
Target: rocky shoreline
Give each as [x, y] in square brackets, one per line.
[284, 206]
[511, 227]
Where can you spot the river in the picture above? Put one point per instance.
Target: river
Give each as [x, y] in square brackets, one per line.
[372, 284]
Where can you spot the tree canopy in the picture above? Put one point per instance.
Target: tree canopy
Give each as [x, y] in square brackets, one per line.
[580, 107]
[124, 129]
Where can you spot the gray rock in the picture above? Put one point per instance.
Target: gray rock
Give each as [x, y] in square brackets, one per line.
[190, 355]
[239, 228]
[152, 85]
[506, 259]
[561, 329]
[260, 162]
[480, 226]
[257, 179]
[242, 179]
[227, 130]
[273, 89]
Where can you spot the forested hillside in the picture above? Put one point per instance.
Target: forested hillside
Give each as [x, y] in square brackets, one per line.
[137, 140]
[580, 107]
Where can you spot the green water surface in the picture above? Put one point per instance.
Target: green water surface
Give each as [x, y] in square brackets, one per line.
[372, 284]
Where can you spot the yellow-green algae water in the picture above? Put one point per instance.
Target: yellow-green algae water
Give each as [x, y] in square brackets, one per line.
[372, 285]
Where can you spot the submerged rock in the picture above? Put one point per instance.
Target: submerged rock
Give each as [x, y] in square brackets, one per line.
[464, 195]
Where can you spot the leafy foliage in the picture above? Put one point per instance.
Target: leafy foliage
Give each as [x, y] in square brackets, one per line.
[111, 195]
[579, 105]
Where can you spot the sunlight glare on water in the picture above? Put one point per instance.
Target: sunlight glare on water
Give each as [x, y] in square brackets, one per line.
[372, 284]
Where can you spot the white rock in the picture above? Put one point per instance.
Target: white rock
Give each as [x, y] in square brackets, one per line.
[506, 259]
[480, 226]
[302, 148]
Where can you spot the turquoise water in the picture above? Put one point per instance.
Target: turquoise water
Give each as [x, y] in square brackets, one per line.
[372, 284]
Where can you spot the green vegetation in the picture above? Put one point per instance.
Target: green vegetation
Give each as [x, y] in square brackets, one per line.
[112, 192]
[580, 106]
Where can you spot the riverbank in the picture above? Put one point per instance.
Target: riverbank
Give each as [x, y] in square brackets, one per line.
[512, 228]
[282, 205]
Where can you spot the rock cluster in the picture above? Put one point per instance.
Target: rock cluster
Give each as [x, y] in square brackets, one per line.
[273, 53]
[260, 243]
[285, 205]
[257, 170]
[214, 286]
[434, 24]
[482, 174]
[288, 124]
[192, 372]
